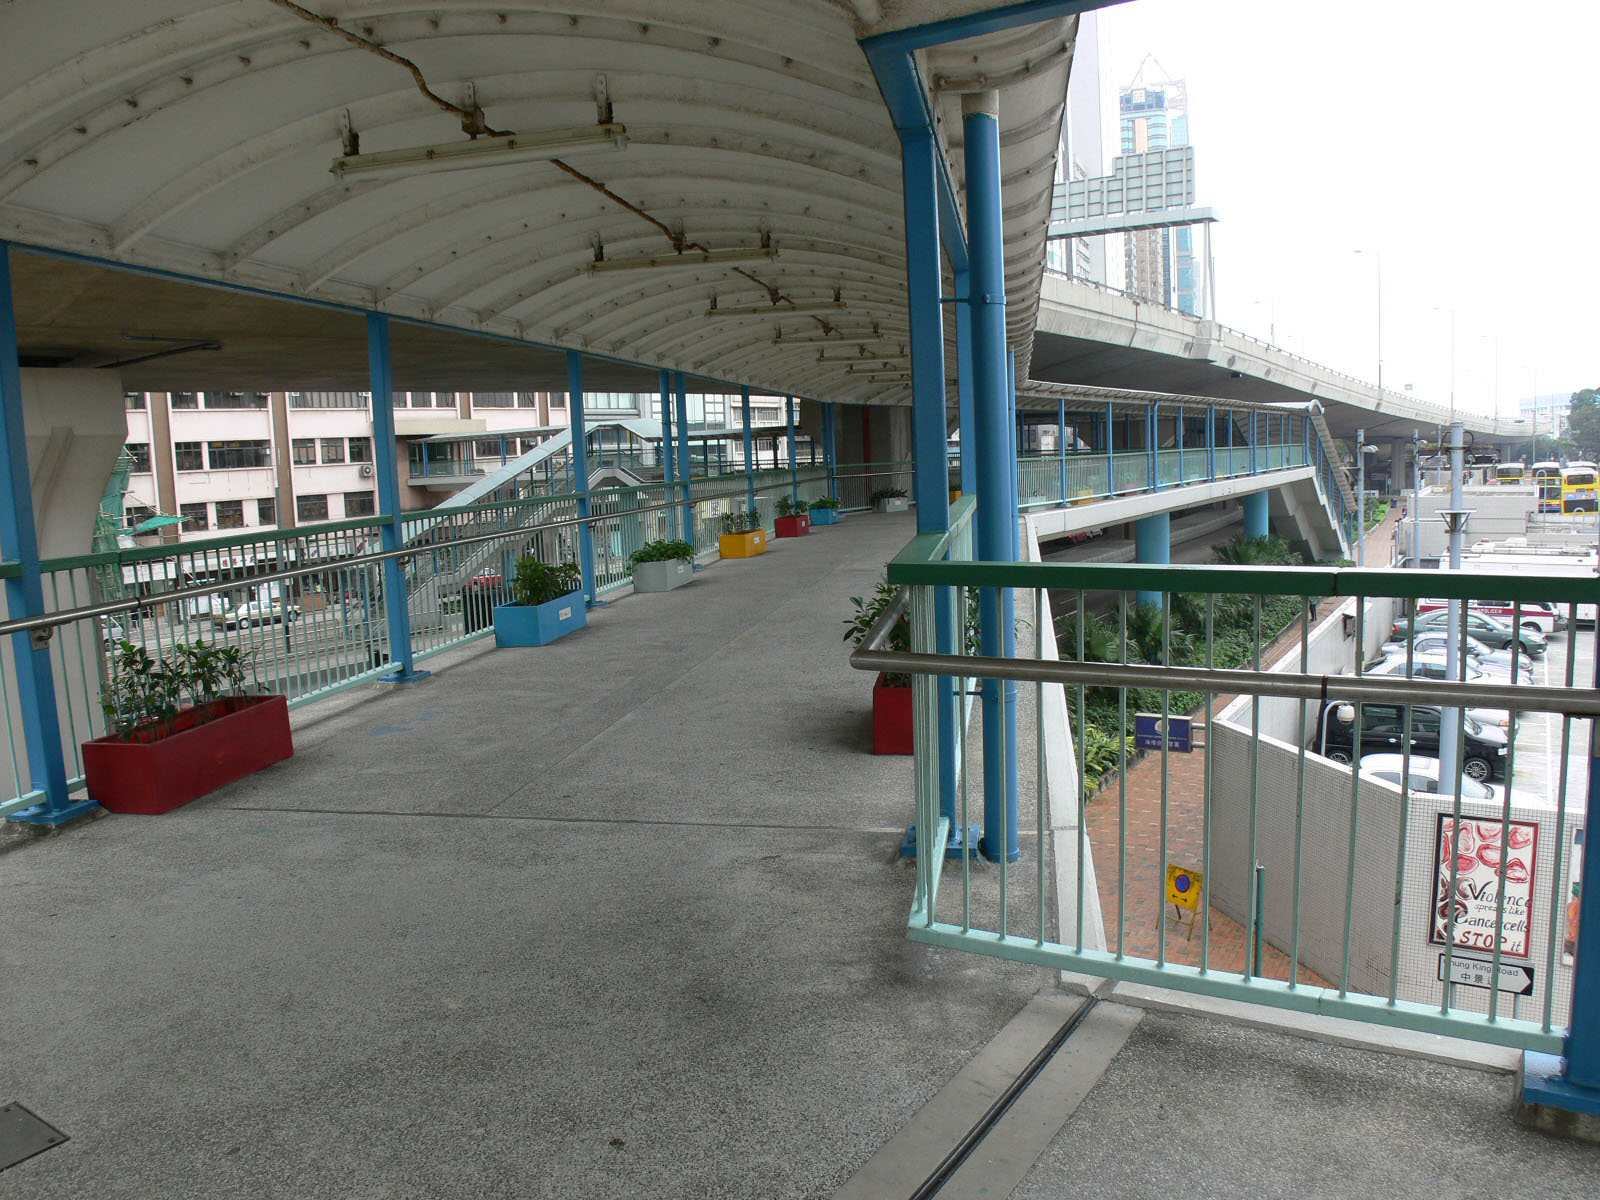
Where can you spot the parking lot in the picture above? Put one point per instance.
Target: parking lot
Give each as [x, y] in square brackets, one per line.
[1537, 770]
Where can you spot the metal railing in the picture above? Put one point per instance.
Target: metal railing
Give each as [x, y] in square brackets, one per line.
[1321, 886]
[1079, 477]
[308, 606]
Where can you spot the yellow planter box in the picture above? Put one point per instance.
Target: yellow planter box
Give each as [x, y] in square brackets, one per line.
[743, 545]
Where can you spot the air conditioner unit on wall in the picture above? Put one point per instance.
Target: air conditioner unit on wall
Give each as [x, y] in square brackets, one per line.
[366, 470]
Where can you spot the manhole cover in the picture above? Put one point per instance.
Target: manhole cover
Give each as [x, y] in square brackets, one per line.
[22, 1135]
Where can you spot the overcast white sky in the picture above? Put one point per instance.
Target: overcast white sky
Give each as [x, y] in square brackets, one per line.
[1458, 140]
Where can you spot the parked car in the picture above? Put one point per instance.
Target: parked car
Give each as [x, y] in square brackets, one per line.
[1424, 777]
[1546, 618]
[111, 634]
[1494, 662]
[1435, 666]
[1492, 633]
[256, 612]
[1383, 730]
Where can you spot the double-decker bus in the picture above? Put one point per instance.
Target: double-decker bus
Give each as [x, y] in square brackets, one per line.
[1547, 478]
[1580, 487]
[1509, 473]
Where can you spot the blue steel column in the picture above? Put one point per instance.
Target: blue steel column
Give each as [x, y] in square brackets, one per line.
[794, 465]
[1211, 444]
[1254, 461]
[396, 601]
[830, 455]
[996, 518]
[1152, 426]
[964, 415]
[1572, 1082]
[19, 542]
[1153, 544]
[1255, 515]
[749, 450]
[930, 428]
[1061, 446]
[669, 453]
[1181, 478]
[685, 462]
[580, 470]
[1111, 451]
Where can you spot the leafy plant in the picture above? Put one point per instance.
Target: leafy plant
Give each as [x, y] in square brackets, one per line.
[888, 494]
[662, 550]
[868, 610]
[824, 502]
[145, 692]
[1102, 755]
[741, 522]
[539, 582]
[788, 506]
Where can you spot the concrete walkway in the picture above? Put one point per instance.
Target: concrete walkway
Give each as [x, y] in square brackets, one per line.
[617, 917]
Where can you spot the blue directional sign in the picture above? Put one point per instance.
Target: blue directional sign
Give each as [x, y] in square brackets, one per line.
[1147, 732]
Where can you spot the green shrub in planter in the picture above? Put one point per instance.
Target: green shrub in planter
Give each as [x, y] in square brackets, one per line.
[825, 511]
[889, 500]
[539, 582]
[662, 565]
[741, 522]
[788, 506]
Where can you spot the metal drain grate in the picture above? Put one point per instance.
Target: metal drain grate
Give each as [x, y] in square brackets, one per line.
[23, 1134]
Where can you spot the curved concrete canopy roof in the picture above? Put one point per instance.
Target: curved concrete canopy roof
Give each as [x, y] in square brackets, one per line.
[197, 136]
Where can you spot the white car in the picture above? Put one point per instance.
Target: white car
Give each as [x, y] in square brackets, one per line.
[1437, 644]
[1424, 777]
[1434, 666]
[256, 612]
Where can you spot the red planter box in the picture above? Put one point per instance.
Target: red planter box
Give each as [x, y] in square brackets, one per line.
[793, 526]
[891, 719]
[192, 756]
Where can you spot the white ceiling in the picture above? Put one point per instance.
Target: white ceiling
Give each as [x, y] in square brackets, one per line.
[197, 135]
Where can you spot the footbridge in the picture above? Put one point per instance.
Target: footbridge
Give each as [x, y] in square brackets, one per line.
[832, 202]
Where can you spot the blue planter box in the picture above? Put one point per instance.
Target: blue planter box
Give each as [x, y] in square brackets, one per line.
[539, 624]
[824, 516]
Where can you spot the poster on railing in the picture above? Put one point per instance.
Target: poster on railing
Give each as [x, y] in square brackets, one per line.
[1484, 857]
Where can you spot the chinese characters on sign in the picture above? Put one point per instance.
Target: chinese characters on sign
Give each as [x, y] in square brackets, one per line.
[1483, 863]
[1147, 732]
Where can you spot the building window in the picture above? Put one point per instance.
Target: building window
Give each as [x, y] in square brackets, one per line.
[329, 399]
[236, 399]
[194, 517]
[332, 450]
[230, 456]
[494, 399]
[188, 456]
[185, 399]
[140, 453]
[133, 401]
[360, 450]
[134, 515]
[359, 504]
[230, 514]
[266, 512]
[311, 508]
[304, 451]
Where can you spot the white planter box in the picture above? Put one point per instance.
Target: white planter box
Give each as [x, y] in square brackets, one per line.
[661, 576]
[895, 504]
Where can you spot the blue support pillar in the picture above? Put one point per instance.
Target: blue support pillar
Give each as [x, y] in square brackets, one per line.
[1570, 1084]
[580, 471]
[1152, 426]
[749, 451]
[1061, 446]
[669, 453]
[1211, 444]
[1182, 479]
[19, 542]
[685, 464]
[395, 598]
[1153, 545]
[1111, 451]
[830, 420]
[1255, 461]
[996, 518]
[1255, 515]
[794, 464]
[964, 411]
[930, 430]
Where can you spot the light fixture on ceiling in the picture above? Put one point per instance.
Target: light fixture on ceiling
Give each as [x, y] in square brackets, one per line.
[827, 339]
[862, 358]
[872, 367]
[483, 152]
[696, 258]
[803, 308]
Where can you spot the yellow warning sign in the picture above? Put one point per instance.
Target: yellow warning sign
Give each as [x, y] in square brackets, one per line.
[1183, 887]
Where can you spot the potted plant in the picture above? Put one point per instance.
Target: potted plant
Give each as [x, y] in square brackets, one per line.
[825, 511]
[889, 500]
[662, 565]
[742, 535]
[181, 726]
[891, 693]
[546, 604]
[794, 518]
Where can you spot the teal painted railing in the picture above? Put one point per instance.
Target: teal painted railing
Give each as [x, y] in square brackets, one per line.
[1349, 896]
